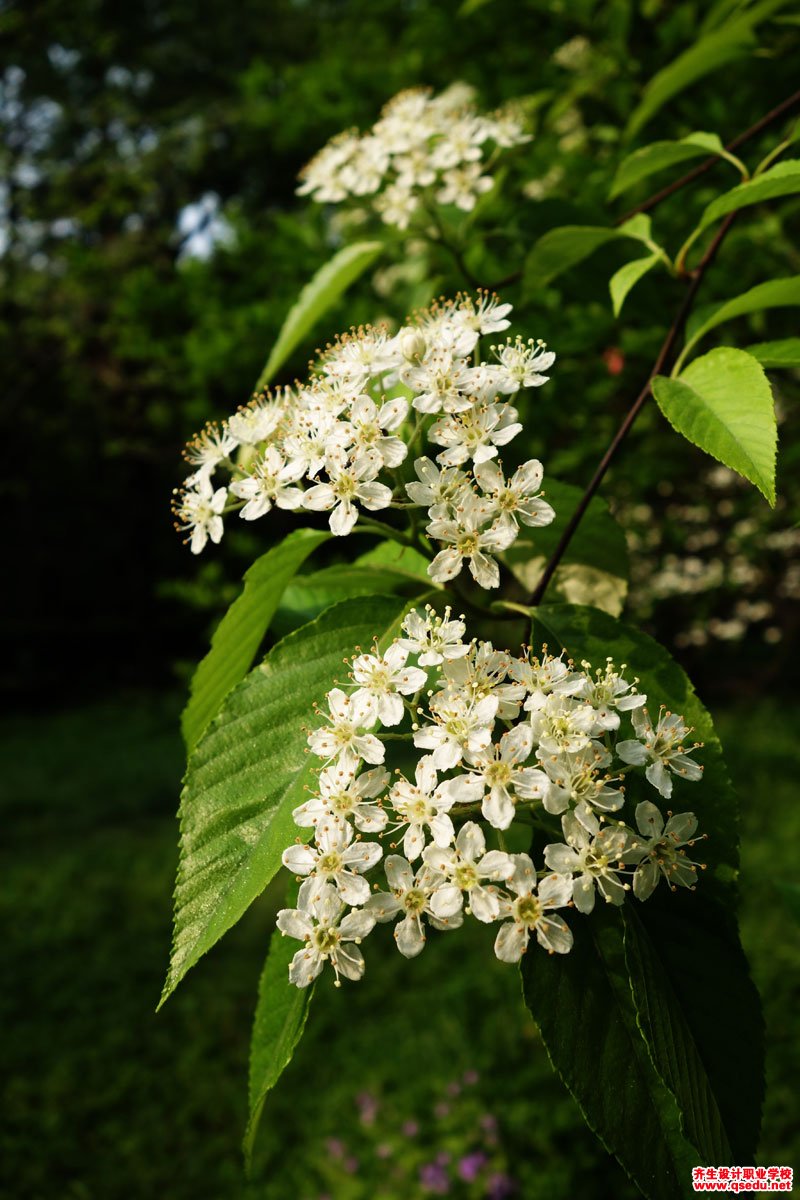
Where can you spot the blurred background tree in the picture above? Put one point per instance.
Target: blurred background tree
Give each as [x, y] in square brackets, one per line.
[152, 244]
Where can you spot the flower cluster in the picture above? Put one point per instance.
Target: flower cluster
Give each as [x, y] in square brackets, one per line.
[534, 739]
[421, 146]
[330, 444]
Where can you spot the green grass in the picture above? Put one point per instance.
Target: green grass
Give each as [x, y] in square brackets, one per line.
[103, 1099]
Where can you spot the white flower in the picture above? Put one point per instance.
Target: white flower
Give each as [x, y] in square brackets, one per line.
[345, 730]
[439, 491]
[349, 482]
[423, 805]
[658, 850]
[460, 143]
[383, 681]
[316, 922]
[515, 499]
[208, 449]
[560, 723]
[463, 185]
[481, 673]
[200, 511]
[255, 422]
[546, 675]
[315, 435]
[577, 778]
[267, 484]
[460, 725]
[609, 694]
[344, 796]
[397, 205]
[433, 638]
[465, 866]
[474, 434]
[488, 315]
[531, 911]
[467, 540]
[336, 859]
[413, 896]
[371, 425]
[355, 360]
[592, 860]
[522, 363]
[441, 382]
[505, 778]
[662, 748]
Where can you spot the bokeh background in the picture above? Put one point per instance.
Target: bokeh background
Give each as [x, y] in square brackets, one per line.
[151, 247]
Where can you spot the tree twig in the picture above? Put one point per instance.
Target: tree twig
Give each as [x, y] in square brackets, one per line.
[651, 202]
[667, 347]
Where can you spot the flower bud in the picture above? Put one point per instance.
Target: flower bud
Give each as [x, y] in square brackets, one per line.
[412, 344]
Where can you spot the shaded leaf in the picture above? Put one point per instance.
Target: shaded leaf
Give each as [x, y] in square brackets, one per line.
[709, 53]
[723, 403]
[559, 249]
[627, 277]
[584, 1009]
[784, 353]
[595, 567]
[241, 631]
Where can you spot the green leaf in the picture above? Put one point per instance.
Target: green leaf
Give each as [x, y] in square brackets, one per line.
[309, 595]
[319, 294]
[723, 403]
[249, 771]
[709, 53]
[404, 560]
[595, 567]
[281, 1014]
[775, 293]
[468, 7]
[559, 249]
[584, 1009]
[675, 1053]
[784, 353]
[698, 997]
[660, 155]
[241, 631]
[627, 277]
[781, 180]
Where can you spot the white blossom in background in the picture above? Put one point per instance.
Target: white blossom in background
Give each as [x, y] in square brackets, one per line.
[495, 740]
[423, 147]
[335, 444]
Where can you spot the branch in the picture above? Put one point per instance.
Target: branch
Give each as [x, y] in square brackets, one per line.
[651, 202]
[664, 353]
[769, 118]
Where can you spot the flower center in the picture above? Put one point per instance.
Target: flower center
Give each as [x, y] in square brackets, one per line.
[528, 910]
[414, 901]
[498, 774]
[330, 863]
[325, 939]
[345, 487]
[465, 877]
[467, 544]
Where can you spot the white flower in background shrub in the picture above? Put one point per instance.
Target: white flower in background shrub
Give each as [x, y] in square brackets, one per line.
[423, 148]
